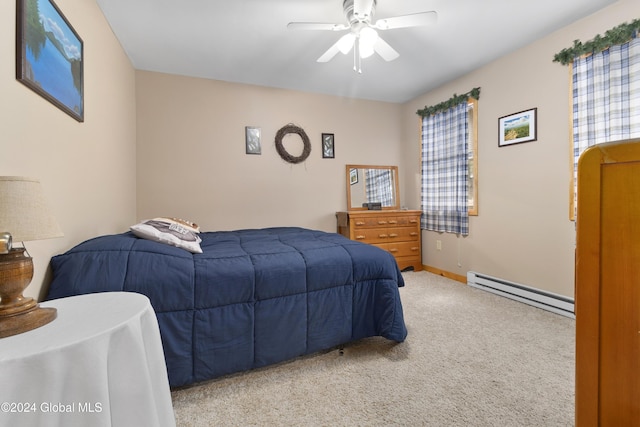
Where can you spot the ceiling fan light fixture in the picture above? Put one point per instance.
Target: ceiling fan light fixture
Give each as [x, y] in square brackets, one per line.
[346, 43]
[363, 39]
[365, 50]
[366, 42]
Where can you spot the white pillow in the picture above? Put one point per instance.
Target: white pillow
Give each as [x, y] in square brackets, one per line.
[170, 231]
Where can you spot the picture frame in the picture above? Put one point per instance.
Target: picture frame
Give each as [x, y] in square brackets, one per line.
[328, 146]
[353, 176]
[252, 140]
[518, 128]
[50, 55]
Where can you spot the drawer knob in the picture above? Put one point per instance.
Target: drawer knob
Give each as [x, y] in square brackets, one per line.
[360, 237]
[393, 250]
[392, 235]
[413, 221]
[382, 236]
[393, 222]
[359, 222]
[382, 222]
[414, 248]
[413, 234]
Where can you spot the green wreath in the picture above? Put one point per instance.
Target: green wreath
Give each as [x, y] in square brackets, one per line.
[283, 152]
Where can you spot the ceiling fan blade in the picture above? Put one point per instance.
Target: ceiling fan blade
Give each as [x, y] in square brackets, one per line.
[405, 21]
[362, 8]
[316, 26]
[383, 49]
[330, 53]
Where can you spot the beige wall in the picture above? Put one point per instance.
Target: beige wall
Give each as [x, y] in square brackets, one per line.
[87, 169]
[188, 137]
[191, 159]
[523, 232]
[192, 162]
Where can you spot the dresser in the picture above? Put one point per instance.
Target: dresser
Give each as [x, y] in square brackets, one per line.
[396, 231]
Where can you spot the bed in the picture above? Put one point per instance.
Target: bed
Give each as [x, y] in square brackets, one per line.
[251, 298]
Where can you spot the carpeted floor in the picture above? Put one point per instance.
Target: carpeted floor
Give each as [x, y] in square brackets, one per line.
[472, 358]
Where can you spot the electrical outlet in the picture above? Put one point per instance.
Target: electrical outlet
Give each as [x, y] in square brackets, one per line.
[439, 245]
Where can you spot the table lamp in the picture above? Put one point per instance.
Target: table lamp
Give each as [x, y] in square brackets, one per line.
[24, 216]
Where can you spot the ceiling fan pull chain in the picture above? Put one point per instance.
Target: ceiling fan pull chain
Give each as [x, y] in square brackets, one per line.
[355, 54]
[357, 60]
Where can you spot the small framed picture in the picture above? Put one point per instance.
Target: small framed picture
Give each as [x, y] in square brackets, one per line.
[328, 148]
[353, 176]
[517, 128]
[252, 140]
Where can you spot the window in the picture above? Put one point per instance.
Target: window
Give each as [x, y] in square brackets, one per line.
[449, 168]
[606, 100]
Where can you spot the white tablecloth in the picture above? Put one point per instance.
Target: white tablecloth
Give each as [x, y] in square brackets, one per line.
[99, 363]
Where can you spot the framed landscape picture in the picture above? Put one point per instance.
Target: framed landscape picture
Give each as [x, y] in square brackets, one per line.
[517, 128]
[49, 55]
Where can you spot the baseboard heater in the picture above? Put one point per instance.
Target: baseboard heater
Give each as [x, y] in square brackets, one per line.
[535, 297]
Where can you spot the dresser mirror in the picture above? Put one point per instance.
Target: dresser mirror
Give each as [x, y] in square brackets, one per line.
[372, 184]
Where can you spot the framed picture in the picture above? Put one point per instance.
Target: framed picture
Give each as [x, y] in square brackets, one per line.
[517, 128]
[49, 55]
[328, 149]
[353, 176]
[252, 140]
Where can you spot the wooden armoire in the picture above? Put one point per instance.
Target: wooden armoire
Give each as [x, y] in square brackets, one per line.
[607, 294]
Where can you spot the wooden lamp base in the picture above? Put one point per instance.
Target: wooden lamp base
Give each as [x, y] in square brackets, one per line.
[19, 314]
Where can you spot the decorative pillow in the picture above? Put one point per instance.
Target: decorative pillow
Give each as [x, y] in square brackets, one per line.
[191, 226]
[171, 231]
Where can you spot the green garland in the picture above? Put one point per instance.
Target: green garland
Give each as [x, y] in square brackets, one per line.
[615, 36]
[444, 106]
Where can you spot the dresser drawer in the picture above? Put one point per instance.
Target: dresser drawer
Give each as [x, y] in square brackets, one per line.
[403, 249]
[398, 234]
[373, 222]
[371, 235]
[403, 221]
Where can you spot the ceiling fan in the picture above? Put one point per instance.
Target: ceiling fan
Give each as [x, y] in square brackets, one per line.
[363, 37]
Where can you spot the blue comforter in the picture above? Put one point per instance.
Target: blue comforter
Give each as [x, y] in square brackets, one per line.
[252, 298]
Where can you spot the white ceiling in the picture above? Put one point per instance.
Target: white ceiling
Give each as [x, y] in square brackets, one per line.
[247, 41]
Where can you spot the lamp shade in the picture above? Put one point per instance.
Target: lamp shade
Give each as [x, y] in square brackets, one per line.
[346, 43]
[24, 211]
[367, 41]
